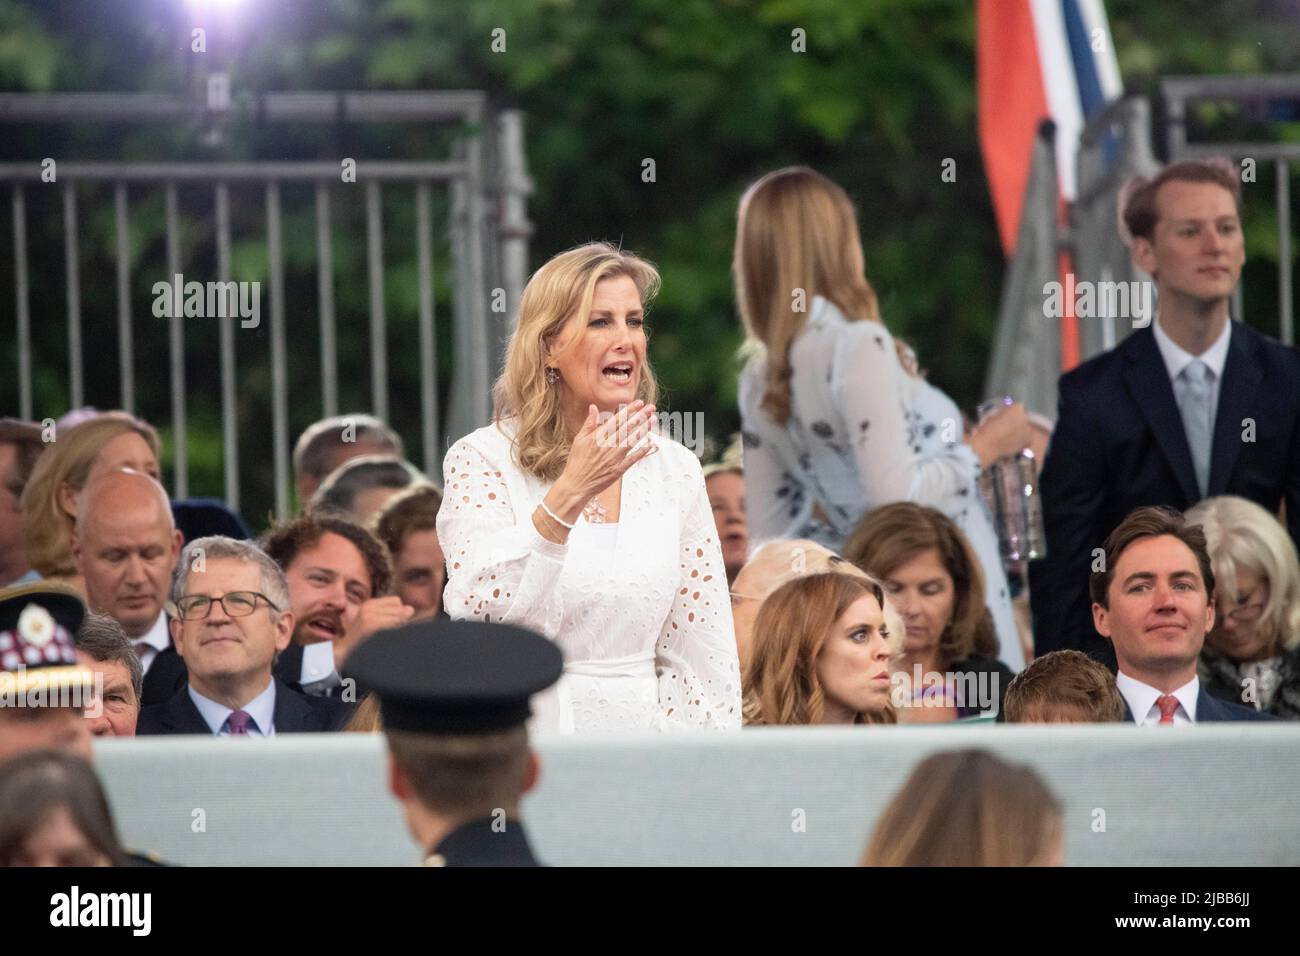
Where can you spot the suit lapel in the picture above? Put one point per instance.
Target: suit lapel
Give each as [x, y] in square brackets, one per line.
[1148, 382]
[180, 715]
[1241, 381]
[292, 714]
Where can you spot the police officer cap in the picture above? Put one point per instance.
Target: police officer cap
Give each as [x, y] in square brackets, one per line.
[454, 677]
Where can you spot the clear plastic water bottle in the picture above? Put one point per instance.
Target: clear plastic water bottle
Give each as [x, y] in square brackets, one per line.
[1010, 486]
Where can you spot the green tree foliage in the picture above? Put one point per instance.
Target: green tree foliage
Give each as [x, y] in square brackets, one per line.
[714, 91]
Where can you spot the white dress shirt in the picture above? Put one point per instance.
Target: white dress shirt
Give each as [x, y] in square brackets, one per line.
[318, 673]
[1177, 358]
[261, 708]
[152, 642]
[1141, 699]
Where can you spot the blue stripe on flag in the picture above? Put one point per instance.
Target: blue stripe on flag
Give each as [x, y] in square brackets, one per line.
[1091, 98]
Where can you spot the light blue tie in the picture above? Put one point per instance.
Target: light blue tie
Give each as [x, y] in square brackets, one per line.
[1196, 386]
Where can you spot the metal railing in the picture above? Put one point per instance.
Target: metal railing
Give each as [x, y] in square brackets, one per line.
[1182, 91]
[487, 227]
[1026, 344]
[1114, 146]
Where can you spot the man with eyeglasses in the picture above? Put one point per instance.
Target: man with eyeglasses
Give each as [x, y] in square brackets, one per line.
[230, 617]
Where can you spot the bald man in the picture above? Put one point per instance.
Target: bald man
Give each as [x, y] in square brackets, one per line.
[125, 545]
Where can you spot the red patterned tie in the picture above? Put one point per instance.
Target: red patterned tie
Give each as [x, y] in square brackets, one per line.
[1167, 703]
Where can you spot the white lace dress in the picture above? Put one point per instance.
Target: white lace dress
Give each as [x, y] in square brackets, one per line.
[862, 433]
[639, 608]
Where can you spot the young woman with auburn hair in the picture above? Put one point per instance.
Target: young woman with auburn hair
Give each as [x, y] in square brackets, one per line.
[820, 654]
[836, 419]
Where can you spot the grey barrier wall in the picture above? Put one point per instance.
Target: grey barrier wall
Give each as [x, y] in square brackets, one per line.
[1206, 795]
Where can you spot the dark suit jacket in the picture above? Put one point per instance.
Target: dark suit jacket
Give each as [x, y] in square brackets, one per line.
[1119, 444]
[295, 713]
[166, 675]
[1211, 710]
[477, 844]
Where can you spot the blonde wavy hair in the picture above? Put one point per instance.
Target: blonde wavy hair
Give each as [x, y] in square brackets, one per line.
[559, 294]
[797, 230]
[47, 527]
[1240, 535]
[780, 683]
[968, 808]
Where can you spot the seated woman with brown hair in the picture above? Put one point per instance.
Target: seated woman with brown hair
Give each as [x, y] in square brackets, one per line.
[53, 812]
[820, 654]
[104, 443]
[932, 576]
[969, 808]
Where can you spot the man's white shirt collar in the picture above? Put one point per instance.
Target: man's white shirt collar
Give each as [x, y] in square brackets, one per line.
[152, 642]
[1141, 699]
[1176, 358]
[261, 708]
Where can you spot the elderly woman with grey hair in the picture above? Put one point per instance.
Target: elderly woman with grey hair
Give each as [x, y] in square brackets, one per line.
[1252, 655]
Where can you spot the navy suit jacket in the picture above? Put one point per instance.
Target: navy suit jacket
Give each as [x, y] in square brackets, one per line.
[294, 713]
[1119, 444]
[1211, 710]
[165, 677]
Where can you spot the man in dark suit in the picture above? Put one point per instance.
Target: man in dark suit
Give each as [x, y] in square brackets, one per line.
[232, 616]
[338, 574]
[125, 544]
[454, 699]
[1193, 406]
[1154, 601]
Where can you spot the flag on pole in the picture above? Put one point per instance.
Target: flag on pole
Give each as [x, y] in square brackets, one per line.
[1039, 59]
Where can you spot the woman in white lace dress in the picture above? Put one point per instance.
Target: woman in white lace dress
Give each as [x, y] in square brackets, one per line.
[835, 418]
[572, 516]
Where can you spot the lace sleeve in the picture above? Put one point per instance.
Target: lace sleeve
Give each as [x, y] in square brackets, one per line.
[498, 567]
[695, 657]
[868, 381]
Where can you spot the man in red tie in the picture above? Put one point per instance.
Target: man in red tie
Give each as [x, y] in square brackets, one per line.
[1153, 598]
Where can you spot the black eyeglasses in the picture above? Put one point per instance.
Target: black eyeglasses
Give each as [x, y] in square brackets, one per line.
[196, 607]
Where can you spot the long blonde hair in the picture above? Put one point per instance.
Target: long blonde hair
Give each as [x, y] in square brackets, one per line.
[558, 292]
[967, 808]
[780, 683]
[797, 231]
[69, 459]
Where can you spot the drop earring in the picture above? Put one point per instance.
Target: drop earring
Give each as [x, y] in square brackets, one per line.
[551, 377]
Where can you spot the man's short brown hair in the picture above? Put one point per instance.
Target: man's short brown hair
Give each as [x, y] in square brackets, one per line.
[1140, 211]
[413, 509]
[285, 541]
[1152, 522]
[464, 776]
[1063, 685]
